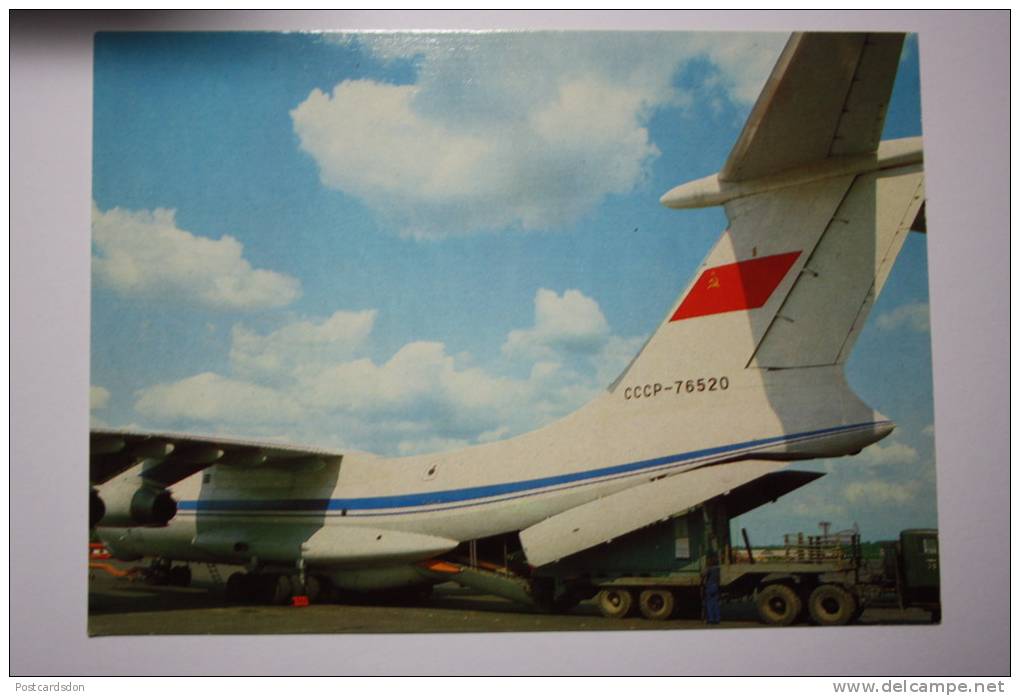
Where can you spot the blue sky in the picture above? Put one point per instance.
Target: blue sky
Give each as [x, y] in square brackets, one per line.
[407, 243]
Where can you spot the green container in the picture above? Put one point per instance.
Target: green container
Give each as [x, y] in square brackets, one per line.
[919, 550]
[672, 546]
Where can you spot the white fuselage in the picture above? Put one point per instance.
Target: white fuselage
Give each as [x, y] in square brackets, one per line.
[627, 436]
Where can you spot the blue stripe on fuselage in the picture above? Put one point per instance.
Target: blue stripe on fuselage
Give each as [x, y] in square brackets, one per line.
[457, 495]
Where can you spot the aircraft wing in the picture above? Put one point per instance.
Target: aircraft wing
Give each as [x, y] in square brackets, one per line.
[613, 516]
[171, 457]
[826, 97]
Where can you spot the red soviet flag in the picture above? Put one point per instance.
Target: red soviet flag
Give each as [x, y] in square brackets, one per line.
[734, 286]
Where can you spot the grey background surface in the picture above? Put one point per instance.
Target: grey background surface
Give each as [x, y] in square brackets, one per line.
[965, 99]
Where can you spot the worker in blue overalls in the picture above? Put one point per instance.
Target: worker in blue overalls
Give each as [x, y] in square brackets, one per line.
[710, 588]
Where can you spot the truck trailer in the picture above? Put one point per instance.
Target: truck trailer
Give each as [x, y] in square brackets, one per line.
[660, 571]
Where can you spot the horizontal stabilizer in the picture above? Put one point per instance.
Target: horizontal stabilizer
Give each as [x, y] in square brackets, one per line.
[607, 518]
[826, 97]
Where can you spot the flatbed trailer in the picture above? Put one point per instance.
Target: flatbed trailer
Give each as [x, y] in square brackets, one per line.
[662, 570]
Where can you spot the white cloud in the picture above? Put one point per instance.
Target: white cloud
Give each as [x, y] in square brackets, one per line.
[144, 253]
[301, 343]
[368, 140]
[891, 454]
[525, 130]
[615, 355]
[98, 397]
[313, 379]
[211, 398]
[878, 493]
[818, 507]
[421, 383]
[572, 322]
[914, 316]
[744, 61]
[436, 181]
[429, 445]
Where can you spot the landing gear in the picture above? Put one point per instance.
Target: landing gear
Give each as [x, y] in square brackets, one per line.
[236, 590]
[162, 572]
[274, 588]
[180, 576]
[313, 588]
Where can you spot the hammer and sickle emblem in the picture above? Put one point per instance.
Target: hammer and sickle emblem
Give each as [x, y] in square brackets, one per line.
[713, 280]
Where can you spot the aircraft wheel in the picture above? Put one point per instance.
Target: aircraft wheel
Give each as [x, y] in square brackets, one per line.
[313, 588]
[180, 576]
[615, 602]
[237, 589]
[657, 604]
[158, 572]
[240, 588]
[778, 605]
[273, 588]
[831, 605]
[327, 593]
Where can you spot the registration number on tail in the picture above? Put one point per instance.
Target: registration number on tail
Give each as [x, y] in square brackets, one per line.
[678, 387]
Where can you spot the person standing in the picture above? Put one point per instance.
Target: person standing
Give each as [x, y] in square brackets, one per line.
[710, 589]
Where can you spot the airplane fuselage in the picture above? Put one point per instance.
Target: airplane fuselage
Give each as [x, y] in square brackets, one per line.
[628, 436]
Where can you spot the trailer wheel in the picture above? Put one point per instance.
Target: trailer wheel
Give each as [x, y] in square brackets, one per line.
[657, 604]
[778, 605]
[831, 605]
[615, 602]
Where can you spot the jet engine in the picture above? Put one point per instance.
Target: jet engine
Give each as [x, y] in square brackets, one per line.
[127, 504]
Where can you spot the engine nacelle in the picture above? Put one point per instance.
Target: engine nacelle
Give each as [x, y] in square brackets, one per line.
[129, 503]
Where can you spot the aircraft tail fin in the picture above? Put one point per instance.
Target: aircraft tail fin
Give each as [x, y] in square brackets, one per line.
[818, 211]
[792, 280]
[843, 273]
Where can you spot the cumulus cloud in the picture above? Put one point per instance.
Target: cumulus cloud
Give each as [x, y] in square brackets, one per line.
[435, 181]
[891, 454]
[301, 343]
[521, 130]
[315, 379]
[572, 322]
[144, 253]
[818, 507]
[98, 397]
[878, 493]
[914, 316]
[429, 445]
[421, 375]
[211, 398]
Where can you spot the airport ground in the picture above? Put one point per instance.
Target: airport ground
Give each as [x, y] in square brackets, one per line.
[120, 606]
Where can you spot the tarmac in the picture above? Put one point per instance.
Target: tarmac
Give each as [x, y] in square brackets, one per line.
[121, 606]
